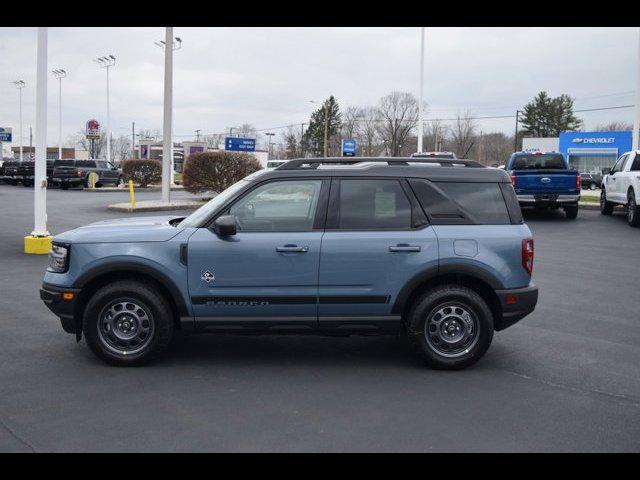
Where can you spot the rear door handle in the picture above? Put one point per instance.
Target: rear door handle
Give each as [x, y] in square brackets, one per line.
[292, 249]
[403, 247]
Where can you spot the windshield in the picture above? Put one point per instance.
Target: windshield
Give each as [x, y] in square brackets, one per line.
[201, 214]
[544, 161]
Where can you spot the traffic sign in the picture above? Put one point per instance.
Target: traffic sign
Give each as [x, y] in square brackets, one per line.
[237, 144]
[348, 147]
[5, 134]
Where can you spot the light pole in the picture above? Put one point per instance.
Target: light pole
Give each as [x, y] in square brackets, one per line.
[59, 74]
[420, 108]
[636, 121]
[20, 85]
[326, 125]
[39, 242]
[107, 63]
[515, 140]
[269, 138]
[167, 148]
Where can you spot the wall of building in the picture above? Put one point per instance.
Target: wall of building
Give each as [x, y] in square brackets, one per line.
[545, 144]
[593, 151]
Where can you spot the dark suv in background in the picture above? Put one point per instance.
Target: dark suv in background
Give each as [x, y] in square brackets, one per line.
[77, 173]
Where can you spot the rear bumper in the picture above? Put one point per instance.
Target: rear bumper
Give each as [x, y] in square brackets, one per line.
[541, 199]
[516, 304]
[53, 298]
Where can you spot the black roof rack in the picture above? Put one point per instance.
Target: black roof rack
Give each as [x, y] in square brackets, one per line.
[314, 163]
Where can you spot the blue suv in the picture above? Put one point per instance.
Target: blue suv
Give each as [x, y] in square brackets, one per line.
[434, 248]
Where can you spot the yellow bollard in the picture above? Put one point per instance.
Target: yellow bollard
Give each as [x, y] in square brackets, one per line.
[92, 176]
[133, 198]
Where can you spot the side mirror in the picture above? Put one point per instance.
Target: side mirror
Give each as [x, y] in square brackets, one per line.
[225, 225]
[606, 171]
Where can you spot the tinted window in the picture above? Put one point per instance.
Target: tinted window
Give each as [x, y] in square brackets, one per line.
[103, 165]
[373, 204]
[618, 166]
[278, 206]
[544, 161]
[63, 163]
[484, 201]
[635, 166]
[86, 163]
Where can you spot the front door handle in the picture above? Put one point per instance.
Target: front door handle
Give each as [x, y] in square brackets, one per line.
[292, 249]
[404, 247]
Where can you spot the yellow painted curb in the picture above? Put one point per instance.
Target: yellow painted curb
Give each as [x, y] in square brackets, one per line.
[37, 245]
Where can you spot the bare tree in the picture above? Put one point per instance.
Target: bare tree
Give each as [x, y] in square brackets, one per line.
[435, 136]
[399, 116]
[615, 126]
[367, 132]
[120, 149]
[351, 116]
[492, 149]
[463, 133]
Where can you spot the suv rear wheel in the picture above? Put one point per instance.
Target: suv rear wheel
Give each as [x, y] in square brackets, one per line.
[606, 207]
[633, 212]
[127, 323]
[450, 326]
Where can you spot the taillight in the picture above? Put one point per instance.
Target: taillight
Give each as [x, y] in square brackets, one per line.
[79, 172]
[578, 182]
[527, 255]
[513, 180]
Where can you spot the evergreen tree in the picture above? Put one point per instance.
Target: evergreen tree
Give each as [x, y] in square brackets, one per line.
[313, 141]
[548, 117]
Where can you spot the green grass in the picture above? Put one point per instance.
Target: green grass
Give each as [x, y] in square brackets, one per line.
[589, 198]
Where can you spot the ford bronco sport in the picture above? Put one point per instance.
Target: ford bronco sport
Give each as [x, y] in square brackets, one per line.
[434, 248]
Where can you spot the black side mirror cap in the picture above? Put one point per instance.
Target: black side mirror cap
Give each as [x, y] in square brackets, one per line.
[225, 225]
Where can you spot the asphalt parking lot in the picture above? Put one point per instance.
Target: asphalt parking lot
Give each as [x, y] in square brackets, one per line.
[566, 378]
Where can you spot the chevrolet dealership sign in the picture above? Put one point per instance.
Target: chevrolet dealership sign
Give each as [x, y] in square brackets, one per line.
[605, 140]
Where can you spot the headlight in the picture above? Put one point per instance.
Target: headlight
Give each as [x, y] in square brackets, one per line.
[58, 258]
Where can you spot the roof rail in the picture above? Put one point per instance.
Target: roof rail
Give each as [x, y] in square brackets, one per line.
[314, 163]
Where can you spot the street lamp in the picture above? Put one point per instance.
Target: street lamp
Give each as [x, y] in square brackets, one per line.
[20, 85]
[107, 62]
[59, 74]
[270, 137]
[167, 149]
[420, 107]
[326, 124]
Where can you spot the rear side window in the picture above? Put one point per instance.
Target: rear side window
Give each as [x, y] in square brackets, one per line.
[63, 163]
[635, 166]
[544, 161]
[86, 164]
[456, 203]
[484, 201]
[373, 204]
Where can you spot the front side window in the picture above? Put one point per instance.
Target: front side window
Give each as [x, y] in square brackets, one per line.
[373, 204]
[283, 206]
[618, 166]
[635, 166]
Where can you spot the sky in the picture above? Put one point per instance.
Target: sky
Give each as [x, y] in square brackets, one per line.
[267, 76]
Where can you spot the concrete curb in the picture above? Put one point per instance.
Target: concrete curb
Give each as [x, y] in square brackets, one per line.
[589, 205]
[157, 206]
[126, 189]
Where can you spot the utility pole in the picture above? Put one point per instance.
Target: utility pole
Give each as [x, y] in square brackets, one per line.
[480, 149]
[133, 140]
[39, 242]
[107, 62]
[636, 122]
[420, 108]
[198, 135]
[326, 128]
[269, 138]
[515, 141]
[59, 74]
[20, 85]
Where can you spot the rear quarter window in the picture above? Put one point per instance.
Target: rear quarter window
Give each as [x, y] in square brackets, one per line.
[466, 202]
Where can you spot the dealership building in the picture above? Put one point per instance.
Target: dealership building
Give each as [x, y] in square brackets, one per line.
[586, 151]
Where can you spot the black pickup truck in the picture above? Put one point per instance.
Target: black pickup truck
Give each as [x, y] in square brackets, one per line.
[10, 174]
[68, 173]
[26, 172]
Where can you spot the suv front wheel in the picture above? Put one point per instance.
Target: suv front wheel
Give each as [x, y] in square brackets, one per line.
[450, 326]
[633, 212]
[606, 207]
[127, 323]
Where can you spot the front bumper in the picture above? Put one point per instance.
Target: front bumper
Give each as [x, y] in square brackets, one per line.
[62, 305]
[547, 199]
[516, 304]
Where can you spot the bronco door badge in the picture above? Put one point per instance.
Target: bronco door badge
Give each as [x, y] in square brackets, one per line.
[207, 276]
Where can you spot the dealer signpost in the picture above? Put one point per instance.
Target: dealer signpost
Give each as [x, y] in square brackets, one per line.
[348, 147]
[92, 132]
[237, 144]
[5, 136]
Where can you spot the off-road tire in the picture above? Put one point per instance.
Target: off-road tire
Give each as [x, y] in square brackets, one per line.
[606, 207]
[155, 308]
[633, 211]
[428, 305]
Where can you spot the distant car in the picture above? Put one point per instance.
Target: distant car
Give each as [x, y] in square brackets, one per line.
[26, 172]
[67, 173]
[10, 174]
[621, 186]
[449, 155]
[590, 180]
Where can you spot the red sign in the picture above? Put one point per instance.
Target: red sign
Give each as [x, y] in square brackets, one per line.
[92, 130]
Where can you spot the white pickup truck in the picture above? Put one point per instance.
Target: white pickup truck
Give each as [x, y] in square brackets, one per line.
[621, 186]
